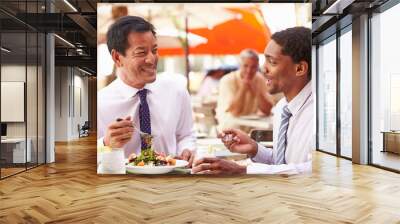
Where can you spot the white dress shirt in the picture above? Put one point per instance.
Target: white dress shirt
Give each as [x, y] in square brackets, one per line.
[300, 138]
[170, 114]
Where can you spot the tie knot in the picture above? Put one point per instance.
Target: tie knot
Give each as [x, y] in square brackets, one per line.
[286, 112]
[142, 95]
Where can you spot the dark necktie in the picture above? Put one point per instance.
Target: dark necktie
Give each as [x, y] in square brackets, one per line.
[144, 116]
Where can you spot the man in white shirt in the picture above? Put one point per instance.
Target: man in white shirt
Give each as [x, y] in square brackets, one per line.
[288, 70]
[137, 100]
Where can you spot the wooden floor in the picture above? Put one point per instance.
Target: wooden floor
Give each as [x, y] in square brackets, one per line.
[387, 159]
[10, 171]
[70, 191]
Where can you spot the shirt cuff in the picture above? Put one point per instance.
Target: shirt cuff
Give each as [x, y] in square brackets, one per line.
[100, 142]
[187, 143]
[290, 169]
[264, 155]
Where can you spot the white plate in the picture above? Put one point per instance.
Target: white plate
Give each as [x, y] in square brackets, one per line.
[155, 169]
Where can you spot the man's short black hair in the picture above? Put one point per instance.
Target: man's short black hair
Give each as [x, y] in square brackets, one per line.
[117, 34]
[296, 43]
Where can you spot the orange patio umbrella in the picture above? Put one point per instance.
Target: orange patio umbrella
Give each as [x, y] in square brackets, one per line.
[247, 30]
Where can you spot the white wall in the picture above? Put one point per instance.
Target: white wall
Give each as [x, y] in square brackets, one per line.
[80, 118]
[61, 103]
[33, 127]
[70, 83]
[17, 73]
[14, 73]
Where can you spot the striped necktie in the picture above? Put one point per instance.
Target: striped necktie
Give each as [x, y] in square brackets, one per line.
[144, 116]
[282, 140]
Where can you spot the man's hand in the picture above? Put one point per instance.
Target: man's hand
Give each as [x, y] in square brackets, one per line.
[186, 155]
[247, 85]
[236, 106]
[250, 85]
[238, 141]
[119, 133]
[217, 166]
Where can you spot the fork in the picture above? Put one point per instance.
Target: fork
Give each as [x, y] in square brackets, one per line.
[141, 132]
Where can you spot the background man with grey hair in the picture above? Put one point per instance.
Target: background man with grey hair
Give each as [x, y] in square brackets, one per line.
[243, 92]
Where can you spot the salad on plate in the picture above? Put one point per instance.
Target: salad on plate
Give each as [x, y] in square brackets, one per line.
[149, 157]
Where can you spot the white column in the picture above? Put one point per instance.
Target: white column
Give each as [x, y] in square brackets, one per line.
[50, 99]
[314, 90]
[360, 90]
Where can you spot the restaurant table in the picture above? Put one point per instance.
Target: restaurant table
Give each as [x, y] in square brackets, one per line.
[391, 141]
[14, 151]
[253, 121]
[206, 147]
[213, 147]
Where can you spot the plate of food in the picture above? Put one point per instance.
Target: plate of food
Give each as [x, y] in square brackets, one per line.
[152, 162]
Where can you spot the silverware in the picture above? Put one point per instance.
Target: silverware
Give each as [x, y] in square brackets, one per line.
[141, 132]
